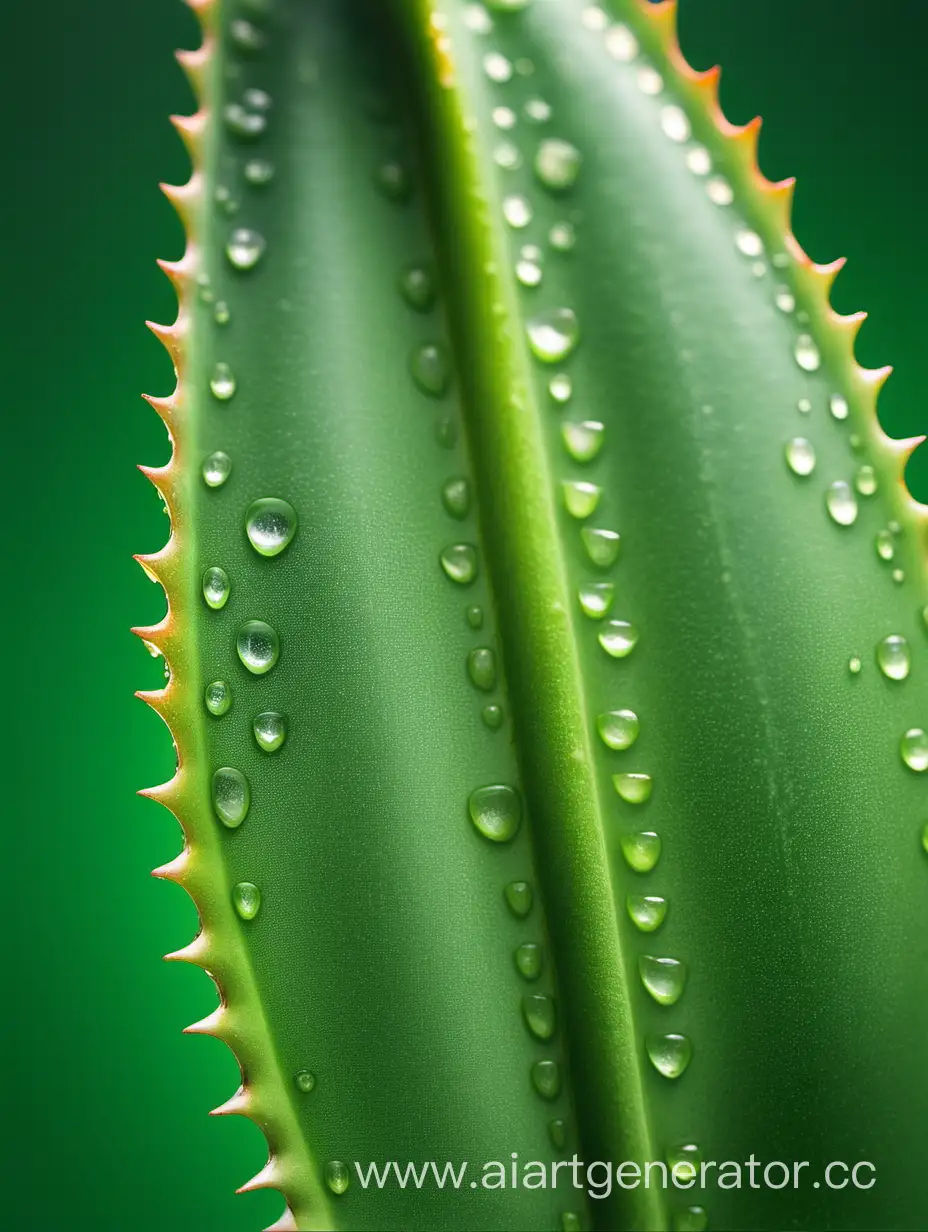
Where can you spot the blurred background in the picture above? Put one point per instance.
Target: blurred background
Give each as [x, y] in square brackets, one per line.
[108, 1124]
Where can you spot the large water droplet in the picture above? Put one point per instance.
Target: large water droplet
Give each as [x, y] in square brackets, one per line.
[270, 730]
[481, 667]
[517, 211]
[216, 587]
[646, 911]
[914, 749]
[305, 1081]
[496, 811]
[492, 716]
[258, 646]
[218, 698]
[270, 524]
[430, 368]
[546, 1079]
[669, 1054]
[217, 468]
[664, 978]
[417, 287]
[841, 503]
[800, 456]
[540, 1015]
[580, 497]
[602, 546]
[529, 960]
[455, 496]
[553, 334]
[459, 561]
[633, 788]
[618, 729]
[807, 354]
[596, 598]
[641, 849]
[583, 440]
[518, 895]
[894, 657]
[222, 382]
[557, 164]
[246, 899]
[337, 1176]
[231, 796]
[245, 248]
[618, 638]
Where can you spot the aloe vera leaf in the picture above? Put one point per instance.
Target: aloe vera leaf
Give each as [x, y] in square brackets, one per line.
[739, 668]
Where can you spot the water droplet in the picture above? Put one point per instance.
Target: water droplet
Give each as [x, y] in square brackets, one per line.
[650, 81]
[669, 1054]
[602, 546]
[633, 788]
[218, 698]
[641, 849]
[459, 561]
[580, 497]
[684, 1162]
[475, 617]
[476, 18]
[675, 124]
[925, 836]
[246, 899]
[914, 749]
[646, 911]
[222, 382]
[245, 248]
[719, 191]
[496, 812]
[537, 110]
[246, 36]
[417, 287]
[231, 796]
[805, 406]
[621, 44]
[698, 160]
[394, 181]
[865, 481]
[518, 896]
[807, 354]
[618, 638]
[540, 1015]
[305, 1081]
[216, 587]
[562, 236]
[893, 657]
[749, 243]
[838, 407]
[270, 730]
[553, 334]
[446, 431]
[841, 503]
[594, 18]
[242, 123]
[596, 598]
[337, 1176]
[507, 156]
[517, 211]
[481, 667]
[785, 300]
[258, 646]
[691, 1219]
[557, 1132]
[270, 525]
[854, 665]
[885, 548]
[898, 576]
[430, 368]
[225, 200]
[560, 387]
[504, 117]
[455, 496]
[528, 267]
[216, 469]
[618, 729]
[497, 67]
[557, 164]
[664, 978]
[800, 456]
[492, 716]
[529, 960]
[259, 171]
[221, 313]
[583, 440]
[546, 1079]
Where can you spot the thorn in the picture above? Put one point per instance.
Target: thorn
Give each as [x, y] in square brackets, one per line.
[213, 1024]
[850, 324]
[145, 561]
[163, 793]
[191, 129]
[169, 336]
[177, 271]
[195, 952]
[876, 378]
[175, 869]
[286, 1223]
[236, 1106]
[163, 407]
[268, 1178]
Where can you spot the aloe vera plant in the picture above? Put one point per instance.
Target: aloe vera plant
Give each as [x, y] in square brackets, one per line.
[546, 630]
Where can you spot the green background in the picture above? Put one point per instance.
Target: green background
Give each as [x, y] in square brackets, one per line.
[106, 1126]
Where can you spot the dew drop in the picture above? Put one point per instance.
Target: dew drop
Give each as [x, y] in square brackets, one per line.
[529, 960]
[898, 576]
[417, 287]
[839, 407]
[481, 667]
[560, 387]
[570, 1222]
[504, 117]
[691, 1219]
[258, 171]
[475, 617]
[492, 716]
[664, 978]
[865, 481]
[807, 354]
[841, 503]
[455, 496]
[270, 525]
[719, 191]
[618, 729]
[216, 469]
[246, 899]
[749, 243]
[529, 273]
[270, 730]
[231, 796]
[216, 587]
[497, 67]
[553, 334]
[675, 124]
[446, 431]
[854, 665]
[337, 1176]
[557, 164]
[221, 313]
[804, 406]
[596, 598]
[496, 812]
[557, 1132]
[546, 1079]
[476, 18]
[507, 156]
[562, 236]
[583, 440]
[246, 36]
[305, 1081]
[518, 895]
[459, 561]
[669, 1054]
[646, 911]
[800, 456]
[218, 698]
[245, 248]
[621, 44]
[618, 638]
[517, 211]
[430, 369]
[698, 160]
[594, 18]
[242, 123]
[222, 382]
[785, 300]
[580, 497]
[258, 646]
[633, 788]
[540, 1015]
[925, 836]
[641, 849]
[650, 81]
[893, 657]
[914, 749]
[537, 110]
[602, 546]
[885, 547]
[394, 181]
